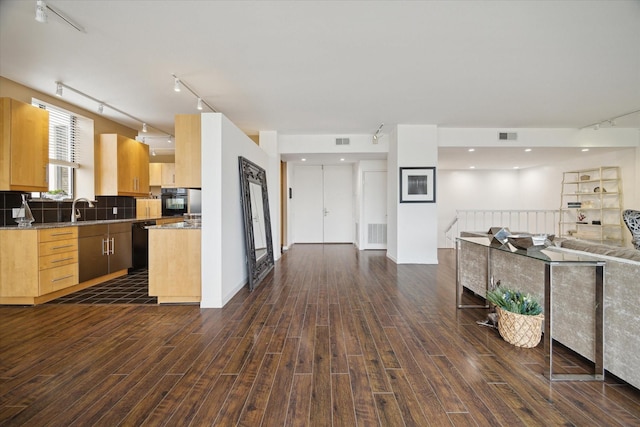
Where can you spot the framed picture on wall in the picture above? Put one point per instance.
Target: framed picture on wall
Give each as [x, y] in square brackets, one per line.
[418, 185]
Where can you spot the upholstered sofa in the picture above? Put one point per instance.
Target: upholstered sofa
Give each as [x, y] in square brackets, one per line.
[573, 297]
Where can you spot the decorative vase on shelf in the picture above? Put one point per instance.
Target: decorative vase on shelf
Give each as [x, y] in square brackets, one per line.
[25, 217]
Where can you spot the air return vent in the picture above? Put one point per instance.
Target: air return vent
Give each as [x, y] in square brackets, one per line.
[342, 141]
[507, 136]
[377, 233]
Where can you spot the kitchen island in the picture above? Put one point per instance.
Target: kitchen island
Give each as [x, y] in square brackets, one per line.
[174, 263]
[44, 262]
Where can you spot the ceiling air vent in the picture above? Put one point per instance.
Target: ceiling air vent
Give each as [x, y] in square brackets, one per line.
[342, 141]
[507, 136]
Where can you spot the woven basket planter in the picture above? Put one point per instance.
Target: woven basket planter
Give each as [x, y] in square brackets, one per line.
[519, 329]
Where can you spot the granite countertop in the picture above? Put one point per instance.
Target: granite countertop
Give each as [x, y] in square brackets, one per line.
[42, 226]
[175, 225]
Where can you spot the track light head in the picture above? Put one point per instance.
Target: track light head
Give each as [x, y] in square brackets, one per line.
[58, 89]
[153, 152]
[144, 127]
[41, 11]
[199, 106]
[100, 108]
[176, 84]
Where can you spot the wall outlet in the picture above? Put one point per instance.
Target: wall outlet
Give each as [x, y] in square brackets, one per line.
[115, 210]
[17, 212]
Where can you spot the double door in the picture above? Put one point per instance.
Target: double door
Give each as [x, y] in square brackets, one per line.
[323, 204]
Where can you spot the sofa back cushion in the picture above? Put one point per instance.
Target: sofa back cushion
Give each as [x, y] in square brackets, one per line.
[600, 249]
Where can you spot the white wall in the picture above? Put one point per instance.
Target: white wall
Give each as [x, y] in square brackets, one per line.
[392, 196]
[224, 270]
[299, 144]
[417, 223]
[488, 137]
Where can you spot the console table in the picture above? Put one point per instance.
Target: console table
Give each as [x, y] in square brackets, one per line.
[550, 259]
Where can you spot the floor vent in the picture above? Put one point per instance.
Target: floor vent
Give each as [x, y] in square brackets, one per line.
[342, 141]
[376, 233]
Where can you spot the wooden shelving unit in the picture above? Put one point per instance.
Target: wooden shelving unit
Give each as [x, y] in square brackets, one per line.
[591, 205]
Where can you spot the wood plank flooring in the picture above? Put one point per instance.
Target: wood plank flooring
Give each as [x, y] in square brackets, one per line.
[334, 337]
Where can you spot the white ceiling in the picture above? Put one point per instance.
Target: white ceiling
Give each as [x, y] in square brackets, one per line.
[336, 67]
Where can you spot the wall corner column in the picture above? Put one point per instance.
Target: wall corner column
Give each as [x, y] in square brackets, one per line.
[415, 225]
[269, 143]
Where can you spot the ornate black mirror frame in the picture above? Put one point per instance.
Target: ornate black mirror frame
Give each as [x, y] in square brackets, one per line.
[258, 267]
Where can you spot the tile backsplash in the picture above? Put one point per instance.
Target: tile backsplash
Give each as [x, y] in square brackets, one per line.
[53, 211]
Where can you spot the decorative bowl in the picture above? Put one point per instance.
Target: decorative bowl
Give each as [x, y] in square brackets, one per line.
[530, 242]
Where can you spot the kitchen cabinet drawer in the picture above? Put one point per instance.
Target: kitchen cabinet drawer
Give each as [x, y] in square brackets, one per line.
[58, 246]
[58, 260]
[57, 278]
[53, 234]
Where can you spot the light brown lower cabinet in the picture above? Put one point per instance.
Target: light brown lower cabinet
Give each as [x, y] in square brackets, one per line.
[174, 265]
[37, 266]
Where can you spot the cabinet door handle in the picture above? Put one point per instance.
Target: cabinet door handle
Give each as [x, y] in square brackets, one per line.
[105, 247]
[113, 246]
[61, 247]
[61, 278]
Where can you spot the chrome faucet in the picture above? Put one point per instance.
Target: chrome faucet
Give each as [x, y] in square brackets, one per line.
[76, 214]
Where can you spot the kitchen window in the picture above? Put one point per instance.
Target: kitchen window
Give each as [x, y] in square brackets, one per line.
[63, 152]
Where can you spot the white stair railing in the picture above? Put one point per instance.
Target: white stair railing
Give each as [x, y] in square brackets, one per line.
[529, 221]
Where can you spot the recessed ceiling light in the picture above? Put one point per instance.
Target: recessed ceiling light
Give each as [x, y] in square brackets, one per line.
[585, 149]
[304, 160]
[342, 160]
[472, 149]
[516, 167]
[527, 150]
[472, 167]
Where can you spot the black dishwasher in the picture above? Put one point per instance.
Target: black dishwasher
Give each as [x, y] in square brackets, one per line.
[140, 243]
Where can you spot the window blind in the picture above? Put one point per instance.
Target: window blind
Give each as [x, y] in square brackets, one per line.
[63, 132]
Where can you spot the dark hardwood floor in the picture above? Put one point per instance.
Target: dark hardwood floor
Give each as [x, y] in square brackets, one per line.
[334, 337]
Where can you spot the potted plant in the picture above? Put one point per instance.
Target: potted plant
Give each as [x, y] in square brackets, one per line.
[519, 316]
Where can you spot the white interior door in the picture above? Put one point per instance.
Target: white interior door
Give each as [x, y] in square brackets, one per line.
[323, 204]
[338, 204]
[308, 207]
[374, 203]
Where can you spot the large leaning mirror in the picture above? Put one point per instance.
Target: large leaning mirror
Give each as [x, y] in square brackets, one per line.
[257, 221]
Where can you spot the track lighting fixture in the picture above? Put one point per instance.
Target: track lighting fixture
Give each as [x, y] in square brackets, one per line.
[610, 122]
[41, 11]
[377, 134]
[102, 104]
[153, 152]
[41, 15]
[177, 83]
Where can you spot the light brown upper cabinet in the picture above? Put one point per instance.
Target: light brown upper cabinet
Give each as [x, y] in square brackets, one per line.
[24, 146]
[188, 151]
[155, 174]
[168, 175]
[123, 166]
